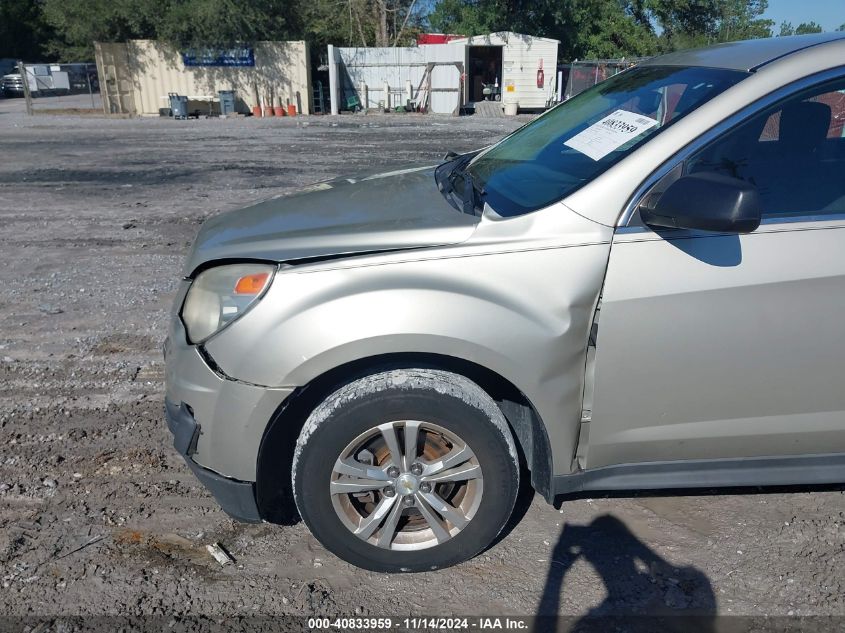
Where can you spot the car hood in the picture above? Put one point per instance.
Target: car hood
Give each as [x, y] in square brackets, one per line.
[390, 211]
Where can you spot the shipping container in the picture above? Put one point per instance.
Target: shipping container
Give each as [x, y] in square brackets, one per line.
[137, 76]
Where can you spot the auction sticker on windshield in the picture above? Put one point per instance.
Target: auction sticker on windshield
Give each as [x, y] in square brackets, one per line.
[609, 134]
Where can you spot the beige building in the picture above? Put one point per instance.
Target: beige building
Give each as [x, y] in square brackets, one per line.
[136, 77]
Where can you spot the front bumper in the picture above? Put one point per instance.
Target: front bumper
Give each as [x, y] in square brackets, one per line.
[217, 423]
[236, 497]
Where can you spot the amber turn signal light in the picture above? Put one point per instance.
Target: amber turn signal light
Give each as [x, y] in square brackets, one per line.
[251, 284]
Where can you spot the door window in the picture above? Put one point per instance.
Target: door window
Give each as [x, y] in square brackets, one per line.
[793, 153]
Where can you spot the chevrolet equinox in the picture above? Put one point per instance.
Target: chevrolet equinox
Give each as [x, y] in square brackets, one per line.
[642, 288]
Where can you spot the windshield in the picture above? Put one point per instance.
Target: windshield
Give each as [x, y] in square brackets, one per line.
[573, 143]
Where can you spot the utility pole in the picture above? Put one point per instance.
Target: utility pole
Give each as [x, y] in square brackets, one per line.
[90, 89]
[25, 82]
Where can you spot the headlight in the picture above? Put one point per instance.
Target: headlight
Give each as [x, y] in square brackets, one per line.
[220, 295]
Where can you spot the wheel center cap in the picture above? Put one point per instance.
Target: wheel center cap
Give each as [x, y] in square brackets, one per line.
[407, 484]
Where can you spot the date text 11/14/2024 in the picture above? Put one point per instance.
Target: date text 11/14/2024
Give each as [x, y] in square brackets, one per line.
[419, 623]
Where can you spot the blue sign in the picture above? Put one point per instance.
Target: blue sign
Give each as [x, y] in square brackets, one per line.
[219, 57]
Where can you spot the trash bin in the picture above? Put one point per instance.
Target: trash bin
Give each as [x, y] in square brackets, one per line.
[227, 101]
[178, 105]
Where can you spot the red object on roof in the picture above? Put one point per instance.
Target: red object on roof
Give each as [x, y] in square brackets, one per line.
[437, 38]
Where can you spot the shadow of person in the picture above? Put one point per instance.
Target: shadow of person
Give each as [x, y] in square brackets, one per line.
[645, 593]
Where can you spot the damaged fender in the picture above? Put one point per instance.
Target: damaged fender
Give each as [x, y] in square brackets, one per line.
[519, 307]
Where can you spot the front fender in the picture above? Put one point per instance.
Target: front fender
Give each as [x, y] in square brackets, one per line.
[524, 315]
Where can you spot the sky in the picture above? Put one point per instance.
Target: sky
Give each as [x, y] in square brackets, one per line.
[830, 14]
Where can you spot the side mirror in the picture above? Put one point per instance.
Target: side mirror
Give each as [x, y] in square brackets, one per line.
[707, 202]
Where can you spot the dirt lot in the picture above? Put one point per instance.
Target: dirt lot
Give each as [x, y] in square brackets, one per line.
[98, 515]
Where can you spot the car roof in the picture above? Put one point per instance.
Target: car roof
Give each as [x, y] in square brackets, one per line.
[747, 54]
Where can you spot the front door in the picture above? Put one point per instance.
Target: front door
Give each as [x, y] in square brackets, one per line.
[723, 345]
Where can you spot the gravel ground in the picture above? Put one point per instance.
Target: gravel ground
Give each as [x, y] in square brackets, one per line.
[98, 515]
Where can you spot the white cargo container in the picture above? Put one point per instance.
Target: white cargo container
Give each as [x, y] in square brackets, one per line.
[515, 68]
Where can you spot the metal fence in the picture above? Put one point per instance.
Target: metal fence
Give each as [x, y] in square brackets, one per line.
[429, 76]
[54, 87]
[580, 75]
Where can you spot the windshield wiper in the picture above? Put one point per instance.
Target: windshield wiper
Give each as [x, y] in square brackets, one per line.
[473, 194]
[446, 176]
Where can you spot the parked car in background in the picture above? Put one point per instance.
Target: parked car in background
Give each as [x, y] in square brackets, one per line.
[12, 85]
[51, 80]
[7, 65]
[642, 288]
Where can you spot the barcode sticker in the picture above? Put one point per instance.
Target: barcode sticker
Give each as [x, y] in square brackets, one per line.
[609, 134]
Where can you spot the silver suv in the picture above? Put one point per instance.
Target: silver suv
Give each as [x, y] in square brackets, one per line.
[642, 288]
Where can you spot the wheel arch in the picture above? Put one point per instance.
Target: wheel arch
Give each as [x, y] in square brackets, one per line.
[275, 454]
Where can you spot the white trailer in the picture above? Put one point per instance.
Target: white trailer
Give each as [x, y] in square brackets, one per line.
[47, 79]
[523, 66]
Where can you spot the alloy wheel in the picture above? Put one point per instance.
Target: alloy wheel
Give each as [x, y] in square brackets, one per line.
[406, 485]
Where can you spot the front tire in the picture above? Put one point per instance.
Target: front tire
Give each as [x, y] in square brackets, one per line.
[406, 470]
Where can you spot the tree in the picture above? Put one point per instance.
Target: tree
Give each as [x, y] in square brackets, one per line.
[380, 22]
[22, 30]
[808, 27]
[66, 29]
[740, 20]
[802, 29]
[604, 29]
[585, 28]
[360, 22]
[222, 23]
[683, 23]
[465, 17]
[78, 24]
